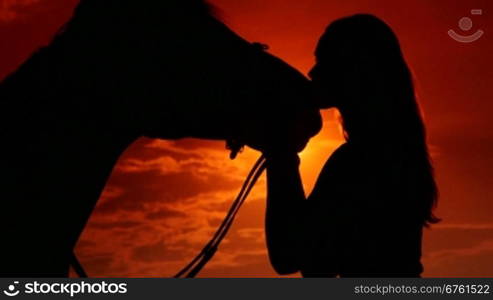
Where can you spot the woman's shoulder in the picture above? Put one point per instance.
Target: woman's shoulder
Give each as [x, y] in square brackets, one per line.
[343, 157]
[338, 165]
[344, 167]
[339, 153]
[364, 155]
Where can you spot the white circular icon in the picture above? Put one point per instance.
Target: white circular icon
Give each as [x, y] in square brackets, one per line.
[11, 290]
[465, 24]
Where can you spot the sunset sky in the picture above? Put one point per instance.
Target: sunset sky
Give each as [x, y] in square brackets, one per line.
[165, 198]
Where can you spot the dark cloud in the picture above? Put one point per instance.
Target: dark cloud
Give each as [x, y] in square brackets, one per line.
[98, 264]
[165, 213]
[148, 149]
[259, 266]
[215, 221]
[115, 225]
[157, 252]
[187, 229]
[195, 144]
[83, 245]
[245, 259]
[145, 149]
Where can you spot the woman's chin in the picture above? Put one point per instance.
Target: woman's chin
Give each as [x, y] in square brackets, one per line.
[326, 105]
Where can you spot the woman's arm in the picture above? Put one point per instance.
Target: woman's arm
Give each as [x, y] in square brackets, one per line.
[285, 196]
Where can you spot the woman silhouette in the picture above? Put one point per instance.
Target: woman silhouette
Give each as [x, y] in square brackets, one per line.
[376, 192]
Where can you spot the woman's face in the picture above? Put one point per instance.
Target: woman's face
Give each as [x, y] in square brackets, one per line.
[332, 80]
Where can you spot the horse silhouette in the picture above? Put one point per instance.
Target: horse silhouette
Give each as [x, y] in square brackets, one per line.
[116, 71]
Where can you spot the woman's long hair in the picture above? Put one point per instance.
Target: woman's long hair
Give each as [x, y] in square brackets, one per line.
[361, 54]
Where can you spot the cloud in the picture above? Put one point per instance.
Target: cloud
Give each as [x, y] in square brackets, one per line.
[99, 264]
[157, 252]
[464, 226]
[459, 250]
[248, 258]
[164, 165]
[168, 157]
[254, 234]
[189, 145]
[158, 171]
[164, 213]
[476, 261]
[143, 192]
[456, 236]
[126, 224]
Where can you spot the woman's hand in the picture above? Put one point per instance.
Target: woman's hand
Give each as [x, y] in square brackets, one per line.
[285, 197]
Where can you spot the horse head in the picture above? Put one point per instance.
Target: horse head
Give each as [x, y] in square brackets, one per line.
[195, 77]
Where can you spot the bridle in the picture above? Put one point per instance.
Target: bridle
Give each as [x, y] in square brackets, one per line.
[194, 267]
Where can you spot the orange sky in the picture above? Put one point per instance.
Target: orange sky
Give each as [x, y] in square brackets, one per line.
[165, 198]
